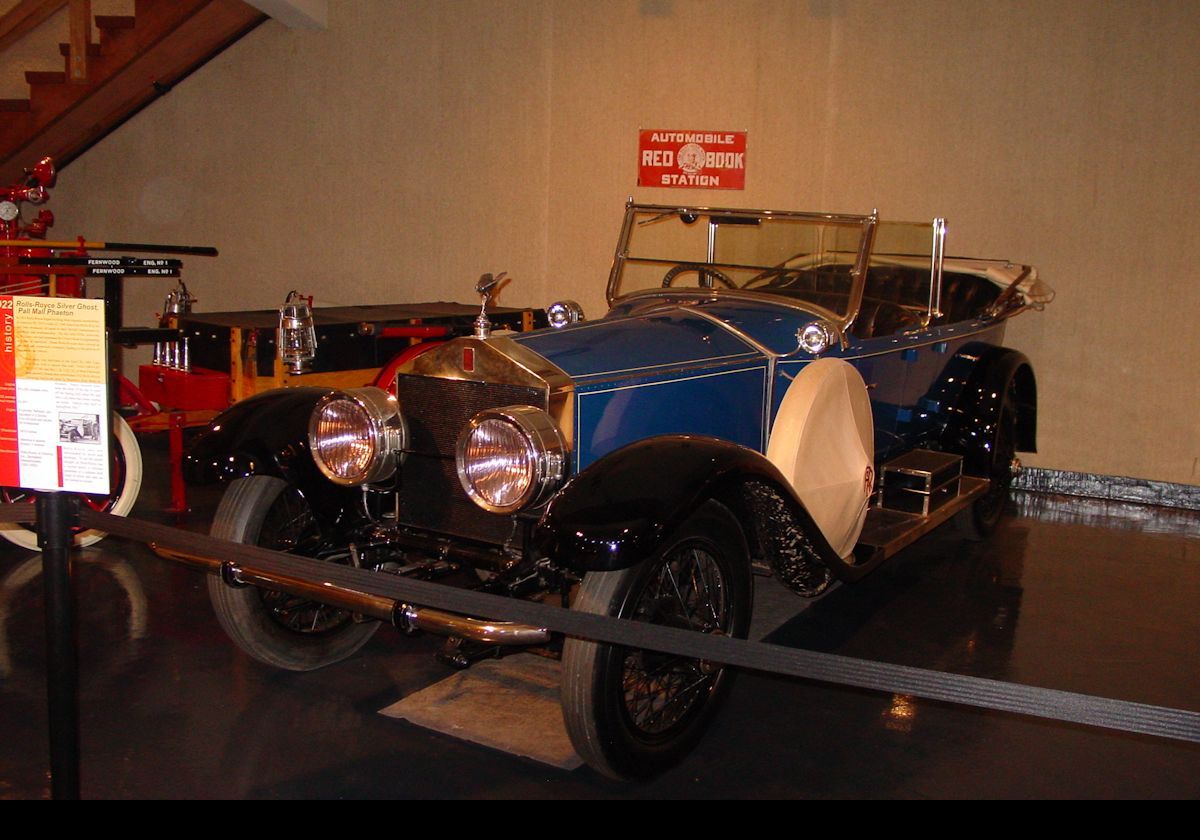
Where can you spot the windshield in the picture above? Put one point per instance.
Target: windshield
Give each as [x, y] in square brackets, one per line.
[805, 256]
[812, 258]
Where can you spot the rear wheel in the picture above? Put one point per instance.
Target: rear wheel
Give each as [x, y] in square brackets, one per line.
[634, 713]
[275, 628]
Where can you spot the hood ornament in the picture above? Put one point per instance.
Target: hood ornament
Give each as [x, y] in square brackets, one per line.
[486, 288]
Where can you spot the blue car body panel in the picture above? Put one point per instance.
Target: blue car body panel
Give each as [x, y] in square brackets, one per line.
[667, 372]
[637, 345]
[720, 368]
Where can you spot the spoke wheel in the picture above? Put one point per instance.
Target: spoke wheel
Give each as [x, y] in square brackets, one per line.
[634, 713]
[273, 627]
[126, 482]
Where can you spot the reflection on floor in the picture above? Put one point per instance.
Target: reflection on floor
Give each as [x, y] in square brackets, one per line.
[1090, 597]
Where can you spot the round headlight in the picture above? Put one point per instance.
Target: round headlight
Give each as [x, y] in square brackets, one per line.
[510, 458]
[356, 435]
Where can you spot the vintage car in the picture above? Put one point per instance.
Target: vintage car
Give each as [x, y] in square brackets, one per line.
[796, 394]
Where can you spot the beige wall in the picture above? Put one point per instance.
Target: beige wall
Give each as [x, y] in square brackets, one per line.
[414, 145]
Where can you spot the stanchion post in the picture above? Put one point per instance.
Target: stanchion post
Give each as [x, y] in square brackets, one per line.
[57, 514]
[178, 488]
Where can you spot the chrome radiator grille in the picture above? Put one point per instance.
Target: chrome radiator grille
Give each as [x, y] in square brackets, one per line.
[436, 411]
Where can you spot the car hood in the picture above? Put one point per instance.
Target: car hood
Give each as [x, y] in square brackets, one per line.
[660, 335]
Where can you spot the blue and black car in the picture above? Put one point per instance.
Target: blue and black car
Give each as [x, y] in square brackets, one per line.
[795, 394]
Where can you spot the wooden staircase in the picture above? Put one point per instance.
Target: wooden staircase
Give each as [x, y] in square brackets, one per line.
[136, 60]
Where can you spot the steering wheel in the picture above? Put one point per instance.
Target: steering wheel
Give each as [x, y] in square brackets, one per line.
[702, 270]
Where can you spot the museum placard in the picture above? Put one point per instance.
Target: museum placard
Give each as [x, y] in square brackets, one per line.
[54, 421]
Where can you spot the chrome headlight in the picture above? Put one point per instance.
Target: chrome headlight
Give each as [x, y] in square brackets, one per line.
[510, 458]
[356, 436]
[815, 337]
[562, 313]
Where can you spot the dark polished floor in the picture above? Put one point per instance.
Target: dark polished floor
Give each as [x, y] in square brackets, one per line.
[1089, 597]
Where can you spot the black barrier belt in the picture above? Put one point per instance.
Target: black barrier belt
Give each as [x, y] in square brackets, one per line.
[22, 513]
[1178, 724]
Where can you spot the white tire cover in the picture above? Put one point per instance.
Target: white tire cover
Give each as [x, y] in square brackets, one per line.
[823, 442]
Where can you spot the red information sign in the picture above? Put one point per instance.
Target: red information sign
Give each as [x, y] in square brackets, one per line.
[709, 160]
[53, 394]
[10, 465]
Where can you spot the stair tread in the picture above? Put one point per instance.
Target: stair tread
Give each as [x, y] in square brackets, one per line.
[65, 49]
[63, 118]
[45, 77]
[114, 21]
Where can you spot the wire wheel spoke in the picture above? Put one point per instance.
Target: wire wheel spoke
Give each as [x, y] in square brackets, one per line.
[658, 699]
[290, 526]
[687, 591]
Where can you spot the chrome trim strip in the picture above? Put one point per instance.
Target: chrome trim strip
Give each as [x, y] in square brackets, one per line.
[944, 335]
[590, 385]
[768, 401]
[585, 378]
[583, 394]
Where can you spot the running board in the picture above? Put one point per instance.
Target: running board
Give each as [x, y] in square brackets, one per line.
[888, 531]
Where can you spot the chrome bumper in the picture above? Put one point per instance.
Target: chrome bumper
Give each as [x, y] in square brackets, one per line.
[407, 617]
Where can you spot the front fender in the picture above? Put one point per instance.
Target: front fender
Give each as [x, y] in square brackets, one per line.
[267, 434]
[618, 511]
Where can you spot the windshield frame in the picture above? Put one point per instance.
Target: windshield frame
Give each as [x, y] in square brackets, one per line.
[858, 271]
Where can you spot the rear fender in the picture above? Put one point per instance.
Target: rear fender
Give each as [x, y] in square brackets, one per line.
[987, 372]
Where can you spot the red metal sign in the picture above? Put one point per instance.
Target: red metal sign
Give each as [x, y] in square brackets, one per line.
[708, 160]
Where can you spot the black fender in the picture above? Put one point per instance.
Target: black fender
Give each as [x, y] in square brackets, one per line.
[986, 374]
[618, 511]
[267, 434]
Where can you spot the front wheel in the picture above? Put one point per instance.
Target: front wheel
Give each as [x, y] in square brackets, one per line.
[273, 627]
[634, 713]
